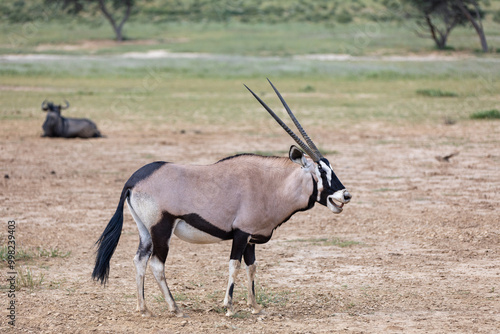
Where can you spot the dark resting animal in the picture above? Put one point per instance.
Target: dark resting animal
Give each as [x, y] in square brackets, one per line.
[57, 126]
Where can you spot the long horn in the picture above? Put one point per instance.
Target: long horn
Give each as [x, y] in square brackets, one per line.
[67, 104]
[44, 104]
[285, 127]
[297, 124]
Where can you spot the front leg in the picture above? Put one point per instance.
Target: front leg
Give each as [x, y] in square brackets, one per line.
[234, 266]
[249, 256]
[240, 241]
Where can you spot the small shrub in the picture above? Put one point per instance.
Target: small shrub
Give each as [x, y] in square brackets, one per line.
[52, 252]
[486, 114]
[344, 17]
[435, 93]
[307, 89]
[496, 16]
[26, 279]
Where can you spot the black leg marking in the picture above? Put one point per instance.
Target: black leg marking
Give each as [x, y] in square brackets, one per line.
[144, 250]
[249, 254]
[160, 235]
[240, 242]
[140, 260]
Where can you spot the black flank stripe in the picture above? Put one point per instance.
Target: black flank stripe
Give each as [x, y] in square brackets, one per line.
[201, 224]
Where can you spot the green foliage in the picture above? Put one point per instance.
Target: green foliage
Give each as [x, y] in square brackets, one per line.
[435, 93]
[28, 254]
[344, 17]
[267, 297]
[486, 114]
[25, 278]
[496, 16]
[328, 242]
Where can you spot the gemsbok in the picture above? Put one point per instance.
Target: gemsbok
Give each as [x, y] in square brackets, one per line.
[243, 197]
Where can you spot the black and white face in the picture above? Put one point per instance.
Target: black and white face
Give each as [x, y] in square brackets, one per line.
[331, 192]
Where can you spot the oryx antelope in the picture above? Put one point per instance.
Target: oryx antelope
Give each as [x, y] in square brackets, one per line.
[56, 125]
[243, 197]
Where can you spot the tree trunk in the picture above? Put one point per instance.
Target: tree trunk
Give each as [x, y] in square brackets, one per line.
[476, 24]
[439, 40]
[116, 27]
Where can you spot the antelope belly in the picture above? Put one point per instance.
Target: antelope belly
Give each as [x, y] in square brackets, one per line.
[191, 234]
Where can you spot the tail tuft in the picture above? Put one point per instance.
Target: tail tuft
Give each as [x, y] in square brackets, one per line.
[108, 241]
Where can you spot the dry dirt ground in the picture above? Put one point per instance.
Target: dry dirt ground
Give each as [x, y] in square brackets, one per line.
[416, 251]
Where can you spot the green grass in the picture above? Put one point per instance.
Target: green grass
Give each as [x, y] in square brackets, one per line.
[26, 278]
[436, 93]
[23, 254]
[328, 242]
[486, 114]
[235, 38]
[208, 92]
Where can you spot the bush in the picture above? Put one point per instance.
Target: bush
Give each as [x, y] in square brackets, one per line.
[486, 114]
[344, 17]
[496, 16]
[435, 93]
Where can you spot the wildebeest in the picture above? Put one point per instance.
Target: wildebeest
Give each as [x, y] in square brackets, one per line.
[56, 125]
[243, 198]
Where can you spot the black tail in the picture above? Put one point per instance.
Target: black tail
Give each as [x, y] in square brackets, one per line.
[108, 240]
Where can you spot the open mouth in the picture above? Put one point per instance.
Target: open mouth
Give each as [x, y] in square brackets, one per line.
[334, 203]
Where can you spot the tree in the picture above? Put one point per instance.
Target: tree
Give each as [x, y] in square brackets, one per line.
[476, 22]
[440, 17]
[111, 9]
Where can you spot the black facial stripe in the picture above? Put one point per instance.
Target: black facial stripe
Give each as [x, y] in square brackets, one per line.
[326, 189]
[329, 188]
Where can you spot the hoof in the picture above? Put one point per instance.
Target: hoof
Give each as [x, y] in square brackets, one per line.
[179, 314]
[256, 310]
[146, 314]
[229, 313]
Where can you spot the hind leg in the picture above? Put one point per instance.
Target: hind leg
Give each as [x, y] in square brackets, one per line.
[141, 260]
[161, 234]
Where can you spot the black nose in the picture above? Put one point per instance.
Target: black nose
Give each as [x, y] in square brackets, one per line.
[347, 196]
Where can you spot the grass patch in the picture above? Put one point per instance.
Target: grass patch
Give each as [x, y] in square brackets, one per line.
[28, 254]
[329, 242]
[52, 252]
[436, 93]
[486, 114]
[27, 279]
[266, 297]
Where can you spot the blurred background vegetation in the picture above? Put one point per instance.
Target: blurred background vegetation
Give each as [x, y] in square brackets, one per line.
[393, 23]
[177, 54]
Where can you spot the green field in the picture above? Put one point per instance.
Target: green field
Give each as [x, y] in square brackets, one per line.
[103, 83]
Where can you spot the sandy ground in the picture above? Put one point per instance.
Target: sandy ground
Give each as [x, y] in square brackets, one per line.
[420, 238]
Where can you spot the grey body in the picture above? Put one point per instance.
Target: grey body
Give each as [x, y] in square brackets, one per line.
[242, 198]
[229, 194]
[56, 125]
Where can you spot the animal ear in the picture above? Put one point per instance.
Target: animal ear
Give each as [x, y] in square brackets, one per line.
[297, 156]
